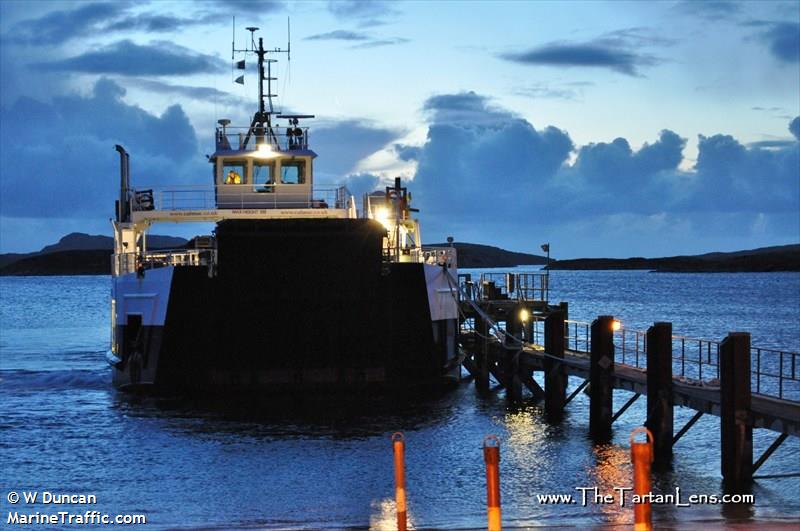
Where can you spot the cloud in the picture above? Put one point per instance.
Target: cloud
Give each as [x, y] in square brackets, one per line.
[58, 27]
[155, 23]
[464, 108]
[258, 7]
[364, 40]
[341, 145]
[592, 54]
[566, 91]
[782, 38]
[130, 59]
[406, 153]
[338, 35]
[197, 93]
[485, 174]
[62, 164]
[382, 42]
[366, 12]
[361, 183]
[710, 9]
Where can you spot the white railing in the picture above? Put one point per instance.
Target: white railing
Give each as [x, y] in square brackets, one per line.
[231, 196]
[444, 256]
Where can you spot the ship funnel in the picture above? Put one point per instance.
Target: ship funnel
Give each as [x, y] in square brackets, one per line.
[123, 207]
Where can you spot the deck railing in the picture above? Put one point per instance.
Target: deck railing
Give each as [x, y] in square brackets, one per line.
[237, 196]
[234, 138]
[125, 263]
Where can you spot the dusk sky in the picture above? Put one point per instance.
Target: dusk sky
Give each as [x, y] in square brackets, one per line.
[605, 128]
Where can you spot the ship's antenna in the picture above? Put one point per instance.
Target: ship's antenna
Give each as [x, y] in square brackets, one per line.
[288, 39]
[262, 119]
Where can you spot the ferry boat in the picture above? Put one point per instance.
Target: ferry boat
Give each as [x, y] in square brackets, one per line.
[295, 289]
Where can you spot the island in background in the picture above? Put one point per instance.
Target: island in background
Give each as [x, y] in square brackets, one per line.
[83, 254]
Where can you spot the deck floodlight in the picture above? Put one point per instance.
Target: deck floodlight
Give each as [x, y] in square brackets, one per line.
[615, 325]
[524, 315]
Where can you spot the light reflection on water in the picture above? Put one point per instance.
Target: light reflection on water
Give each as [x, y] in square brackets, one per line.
[324, 464]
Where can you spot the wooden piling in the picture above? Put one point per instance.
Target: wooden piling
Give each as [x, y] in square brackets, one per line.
[736, 428]
[555, 375]
[660, 420]
[512, 367]
[482, 354]
[601, 374]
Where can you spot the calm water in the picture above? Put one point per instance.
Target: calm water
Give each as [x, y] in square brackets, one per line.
[292, 464]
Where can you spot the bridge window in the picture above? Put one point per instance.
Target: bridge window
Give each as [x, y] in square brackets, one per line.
[234, 172]
[263, 176]
[293, 172]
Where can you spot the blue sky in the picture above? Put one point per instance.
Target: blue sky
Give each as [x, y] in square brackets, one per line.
[605, 128]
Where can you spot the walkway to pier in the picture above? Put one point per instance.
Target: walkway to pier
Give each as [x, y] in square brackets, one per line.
[509, 331]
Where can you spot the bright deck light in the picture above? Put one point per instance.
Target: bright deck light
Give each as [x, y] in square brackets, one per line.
[381, 215]
[264, 151]
[524, 315]
[615, 325]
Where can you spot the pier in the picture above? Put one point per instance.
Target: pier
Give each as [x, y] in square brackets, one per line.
[509, 331]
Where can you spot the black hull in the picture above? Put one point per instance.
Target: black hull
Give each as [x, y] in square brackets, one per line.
[295, 305]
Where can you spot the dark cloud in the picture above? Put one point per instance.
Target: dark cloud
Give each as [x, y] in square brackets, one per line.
[376, 43]
[130, 59]
[62, 164]
[156, 23]
[61, 26]
[255, 7]
[364, 40]
[484, 171]
[365, 12]
[731, 177]
[710, 9]
[340, 145]
[406, 152]
[597, 54]
[338, 35]
[464, 107]
[767, 144]
[782, 38]
[794, 127]
[361, 183]
[208, 94]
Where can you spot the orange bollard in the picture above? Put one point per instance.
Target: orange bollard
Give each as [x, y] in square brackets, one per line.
[642, 456]
[399, 445]
[491, 455]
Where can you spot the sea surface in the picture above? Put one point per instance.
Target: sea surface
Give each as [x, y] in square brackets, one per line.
[312, 464]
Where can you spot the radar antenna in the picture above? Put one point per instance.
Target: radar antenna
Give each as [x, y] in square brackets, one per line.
[262, 119]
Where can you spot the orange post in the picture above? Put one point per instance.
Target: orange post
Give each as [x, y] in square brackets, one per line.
[642, 456]
[491, 456]
[399, 445]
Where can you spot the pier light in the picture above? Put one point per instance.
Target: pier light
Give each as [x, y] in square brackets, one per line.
[524, 315]
[615, 325]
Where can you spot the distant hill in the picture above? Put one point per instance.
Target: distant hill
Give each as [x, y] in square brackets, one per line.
[764, 259]
[75, 254]
[474, 255]
[78, 241]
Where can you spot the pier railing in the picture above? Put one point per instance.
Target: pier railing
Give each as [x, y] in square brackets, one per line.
[522, 287]
[774, 372]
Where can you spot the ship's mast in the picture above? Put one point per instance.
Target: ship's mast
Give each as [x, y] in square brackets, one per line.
[262, 119]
